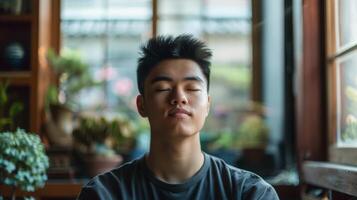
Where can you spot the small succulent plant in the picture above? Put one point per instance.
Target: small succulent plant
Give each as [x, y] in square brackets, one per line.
[23, 162]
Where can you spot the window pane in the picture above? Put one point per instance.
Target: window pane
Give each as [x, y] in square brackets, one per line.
[347, 100]
[347, 22]
[228, 8]
[108, 33]
[235, 124]
[179, 8]
[175, 26]
[226, 27]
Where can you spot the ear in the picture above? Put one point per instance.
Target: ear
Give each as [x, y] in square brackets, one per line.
[140, 105]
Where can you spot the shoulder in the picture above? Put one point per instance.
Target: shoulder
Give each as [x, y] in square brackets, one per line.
[103, 186]
[249, 184]
[118, 174]
[219, 165]
[255, 187]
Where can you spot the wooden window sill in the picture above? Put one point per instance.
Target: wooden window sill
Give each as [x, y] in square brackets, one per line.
[337, 177]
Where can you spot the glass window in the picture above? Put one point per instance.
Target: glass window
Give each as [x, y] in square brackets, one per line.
[108, 34]
[347, 22]
[342, 80]
[347, 100]
[226, 27]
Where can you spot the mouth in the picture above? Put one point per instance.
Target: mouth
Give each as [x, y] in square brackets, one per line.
[179, 113]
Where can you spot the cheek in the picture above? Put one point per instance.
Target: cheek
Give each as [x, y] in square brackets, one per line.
[201, 110]
[200, 103]
[199, 121]
[155, 104]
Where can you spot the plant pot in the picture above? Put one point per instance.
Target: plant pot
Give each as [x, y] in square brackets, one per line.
[97, 164]
[61, 114]
[59, 126]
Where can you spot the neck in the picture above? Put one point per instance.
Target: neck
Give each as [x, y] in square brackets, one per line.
[175, 160]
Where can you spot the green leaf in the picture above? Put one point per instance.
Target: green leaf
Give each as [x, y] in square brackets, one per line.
[4, 122]
[15, 108]
[16, 150]
[3, 96]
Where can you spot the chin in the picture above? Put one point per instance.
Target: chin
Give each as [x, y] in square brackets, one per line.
[184, 131]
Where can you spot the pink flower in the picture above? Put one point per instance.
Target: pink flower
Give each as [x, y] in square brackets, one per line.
[123, 87]
[107, 73]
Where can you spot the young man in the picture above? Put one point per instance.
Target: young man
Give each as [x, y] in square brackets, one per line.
[173, 80]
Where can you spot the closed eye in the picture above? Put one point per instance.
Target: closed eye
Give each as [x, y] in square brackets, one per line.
[163, 90]
[194, 89]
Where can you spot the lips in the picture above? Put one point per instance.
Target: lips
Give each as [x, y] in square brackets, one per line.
[177, 112]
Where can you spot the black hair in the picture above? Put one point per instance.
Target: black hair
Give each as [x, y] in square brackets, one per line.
[162, 48]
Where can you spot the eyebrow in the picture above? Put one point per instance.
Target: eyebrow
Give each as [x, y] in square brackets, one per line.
[166, 78]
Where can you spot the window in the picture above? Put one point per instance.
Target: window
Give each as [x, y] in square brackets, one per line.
[342, 79]
[108, 33]
[226, 27]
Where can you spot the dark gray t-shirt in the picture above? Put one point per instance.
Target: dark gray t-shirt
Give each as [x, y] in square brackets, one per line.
[215, 180]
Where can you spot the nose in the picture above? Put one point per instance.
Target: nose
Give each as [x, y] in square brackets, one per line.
[178, 97]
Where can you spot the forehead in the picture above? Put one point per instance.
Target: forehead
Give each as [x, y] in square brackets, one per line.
[176, 68]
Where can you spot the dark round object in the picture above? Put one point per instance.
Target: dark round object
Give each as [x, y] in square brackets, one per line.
[14, 55]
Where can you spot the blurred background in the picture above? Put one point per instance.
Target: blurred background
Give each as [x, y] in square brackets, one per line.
[108, 34]
[284, 87]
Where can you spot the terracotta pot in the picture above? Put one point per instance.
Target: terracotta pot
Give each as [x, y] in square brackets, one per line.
[96, 164]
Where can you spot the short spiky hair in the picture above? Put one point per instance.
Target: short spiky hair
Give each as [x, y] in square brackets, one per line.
[162, 48]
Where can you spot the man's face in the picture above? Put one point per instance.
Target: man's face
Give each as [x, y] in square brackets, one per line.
[175, 98]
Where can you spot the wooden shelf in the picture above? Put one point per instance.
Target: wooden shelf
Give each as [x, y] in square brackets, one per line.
[16, 18]
[34, 31]
[16, 77]
[52, 189]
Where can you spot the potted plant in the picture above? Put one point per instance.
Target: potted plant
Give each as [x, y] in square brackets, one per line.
[73, 76]
[249, 136]
[101, 141]
[23, 162]
[252, 133]
[252, 139]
